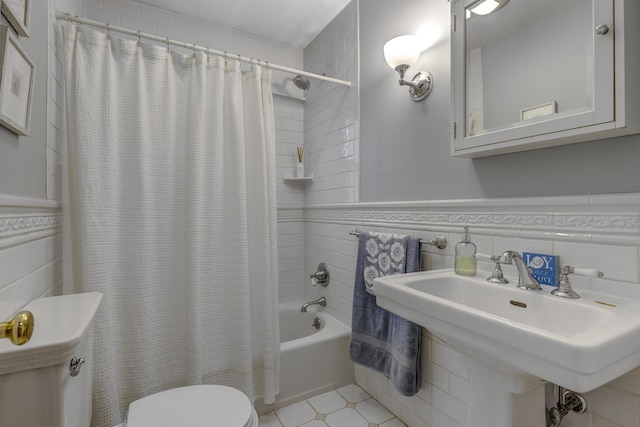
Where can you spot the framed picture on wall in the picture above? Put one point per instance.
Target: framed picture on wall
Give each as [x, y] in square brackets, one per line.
[17, 13]
[16, 84]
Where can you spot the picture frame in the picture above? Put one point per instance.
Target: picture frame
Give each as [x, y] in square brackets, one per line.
[17, 73]
[18, 14]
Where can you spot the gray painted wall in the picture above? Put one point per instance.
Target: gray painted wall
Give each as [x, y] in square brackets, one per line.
[405, 145]
[23, 160]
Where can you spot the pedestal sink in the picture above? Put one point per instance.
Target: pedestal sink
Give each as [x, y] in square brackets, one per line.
[514, 341]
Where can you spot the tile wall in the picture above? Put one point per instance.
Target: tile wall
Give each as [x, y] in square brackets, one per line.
[30, 252]
[601, 232]
[331, 130]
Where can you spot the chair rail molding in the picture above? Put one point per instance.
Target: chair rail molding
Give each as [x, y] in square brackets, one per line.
[599, 218]
[24, 219]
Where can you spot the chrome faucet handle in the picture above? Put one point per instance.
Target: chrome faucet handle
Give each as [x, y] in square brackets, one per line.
[564, 289]
[497, 276]
[321, 275]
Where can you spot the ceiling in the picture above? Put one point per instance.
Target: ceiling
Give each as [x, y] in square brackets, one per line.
[291, 22]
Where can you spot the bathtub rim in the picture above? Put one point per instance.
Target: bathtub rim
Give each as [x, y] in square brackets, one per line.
[331, 329]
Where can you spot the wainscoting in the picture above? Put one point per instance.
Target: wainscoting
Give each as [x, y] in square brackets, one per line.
[600, 231]
[30, 251]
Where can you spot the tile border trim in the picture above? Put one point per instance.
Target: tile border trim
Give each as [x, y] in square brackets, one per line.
[602, 218]
[25, 219]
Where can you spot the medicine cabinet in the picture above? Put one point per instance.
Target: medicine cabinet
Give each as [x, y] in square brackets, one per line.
[543, 73]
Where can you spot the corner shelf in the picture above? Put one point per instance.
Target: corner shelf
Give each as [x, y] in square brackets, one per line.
[291, 178]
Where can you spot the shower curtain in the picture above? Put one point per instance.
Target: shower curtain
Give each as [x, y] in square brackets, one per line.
[172, 215]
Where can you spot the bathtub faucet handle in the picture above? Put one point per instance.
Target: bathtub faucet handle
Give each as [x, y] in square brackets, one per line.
[321, 275]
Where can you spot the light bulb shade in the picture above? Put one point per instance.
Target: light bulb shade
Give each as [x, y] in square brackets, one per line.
[403, 50]
[485, 7]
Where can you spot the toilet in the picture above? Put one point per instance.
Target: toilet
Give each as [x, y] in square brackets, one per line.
[193, 406]
[47, 382]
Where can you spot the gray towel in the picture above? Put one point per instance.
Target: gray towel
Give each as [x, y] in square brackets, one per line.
[379, 339]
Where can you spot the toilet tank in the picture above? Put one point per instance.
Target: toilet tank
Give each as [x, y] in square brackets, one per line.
[37, 388]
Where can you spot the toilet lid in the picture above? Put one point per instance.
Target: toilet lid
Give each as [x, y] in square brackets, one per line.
[193, 406]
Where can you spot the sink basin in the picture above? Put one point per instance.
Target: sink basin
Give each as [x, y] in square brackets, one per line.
[578, 344]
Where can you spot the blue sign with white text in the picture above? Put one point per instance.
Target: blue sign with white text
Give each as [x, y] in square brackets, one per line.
[542, 267]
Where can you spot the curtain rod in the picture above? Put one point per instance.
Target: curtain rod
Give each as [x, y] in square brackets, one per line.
[166, 40]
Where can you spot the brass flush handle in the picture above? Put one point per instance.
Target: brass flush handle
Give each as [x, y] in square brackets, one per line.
[19, 329]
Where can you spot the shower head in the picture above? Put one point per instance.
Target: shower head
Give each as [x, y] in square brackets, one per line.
[301, 82]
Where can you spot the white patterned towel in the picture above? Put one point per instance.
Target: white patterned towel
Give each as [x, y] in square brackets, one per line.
[385, 256]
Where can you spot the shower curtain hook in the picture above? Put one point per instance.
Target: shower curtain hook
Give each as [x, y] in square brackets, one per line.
[168, 45]
[139, 39]
[225, 57]
[108, 31]
[194, 50]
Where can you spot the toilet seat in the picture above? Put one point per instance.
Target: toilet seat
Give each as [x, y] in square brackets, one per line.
[193, 406]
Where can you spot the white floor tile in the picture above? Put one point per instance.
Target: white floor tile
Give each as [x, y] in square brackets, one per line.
[296, 414]
[393, 423]
[348, 406]
[328, 402]
[314, 423]
[373, 411]
[353, 393]
[346, 417]
[269, 420]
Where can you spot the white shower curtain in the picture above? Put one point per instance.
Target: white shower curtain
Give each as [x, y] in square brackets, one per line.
[172, 215]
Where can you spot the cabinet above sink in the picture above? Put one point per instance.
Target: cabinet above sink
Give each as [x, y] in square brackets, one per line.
[540, 74]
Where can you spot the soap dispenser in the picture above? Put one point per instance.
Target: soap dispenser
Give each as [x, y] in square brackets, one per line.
[465, 263]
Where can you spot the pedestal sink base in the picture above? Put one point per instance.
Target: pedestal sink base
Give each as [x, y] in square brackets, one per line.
[499, 399]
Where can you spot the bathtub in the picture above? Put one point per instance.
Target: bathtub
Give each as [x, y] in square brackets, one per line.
[312, 361]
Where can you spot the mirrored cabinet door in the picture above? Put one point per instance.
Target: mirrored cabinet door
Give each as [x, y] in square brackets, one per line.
[533, 74]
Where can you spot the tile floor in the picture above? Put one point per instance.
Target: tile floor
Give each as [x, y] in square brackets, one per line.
[348, 406]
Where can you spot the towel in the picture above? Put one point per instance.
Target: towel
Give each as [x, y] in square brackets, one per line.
[381, 340]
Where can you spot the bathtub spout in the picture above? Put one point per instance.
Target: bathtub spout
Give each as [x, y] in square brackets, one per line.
[320, 301]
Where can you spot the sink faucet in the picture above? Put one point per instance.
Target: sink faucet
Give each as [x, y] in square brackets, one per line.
[525, 279]
[320, 301]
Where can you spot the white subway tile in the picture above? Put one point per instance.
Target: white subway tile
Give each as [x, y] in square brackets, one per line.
[432, 415]
[7, 302]
[615, 405]
[103, 15]
[617, 262]
[629, 382]
[448, 359]
[452, 407]
[34, 255]
[436, 375]
[459, 388]
[12, 264]
[156, 15]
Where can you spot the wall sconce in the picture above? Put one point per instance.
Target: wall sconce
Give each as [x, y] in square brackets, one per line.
[401, 53]
[485, 7]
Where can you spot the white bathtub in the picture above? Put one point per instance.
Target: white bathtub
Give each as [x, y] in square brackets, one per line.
[311, 361]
